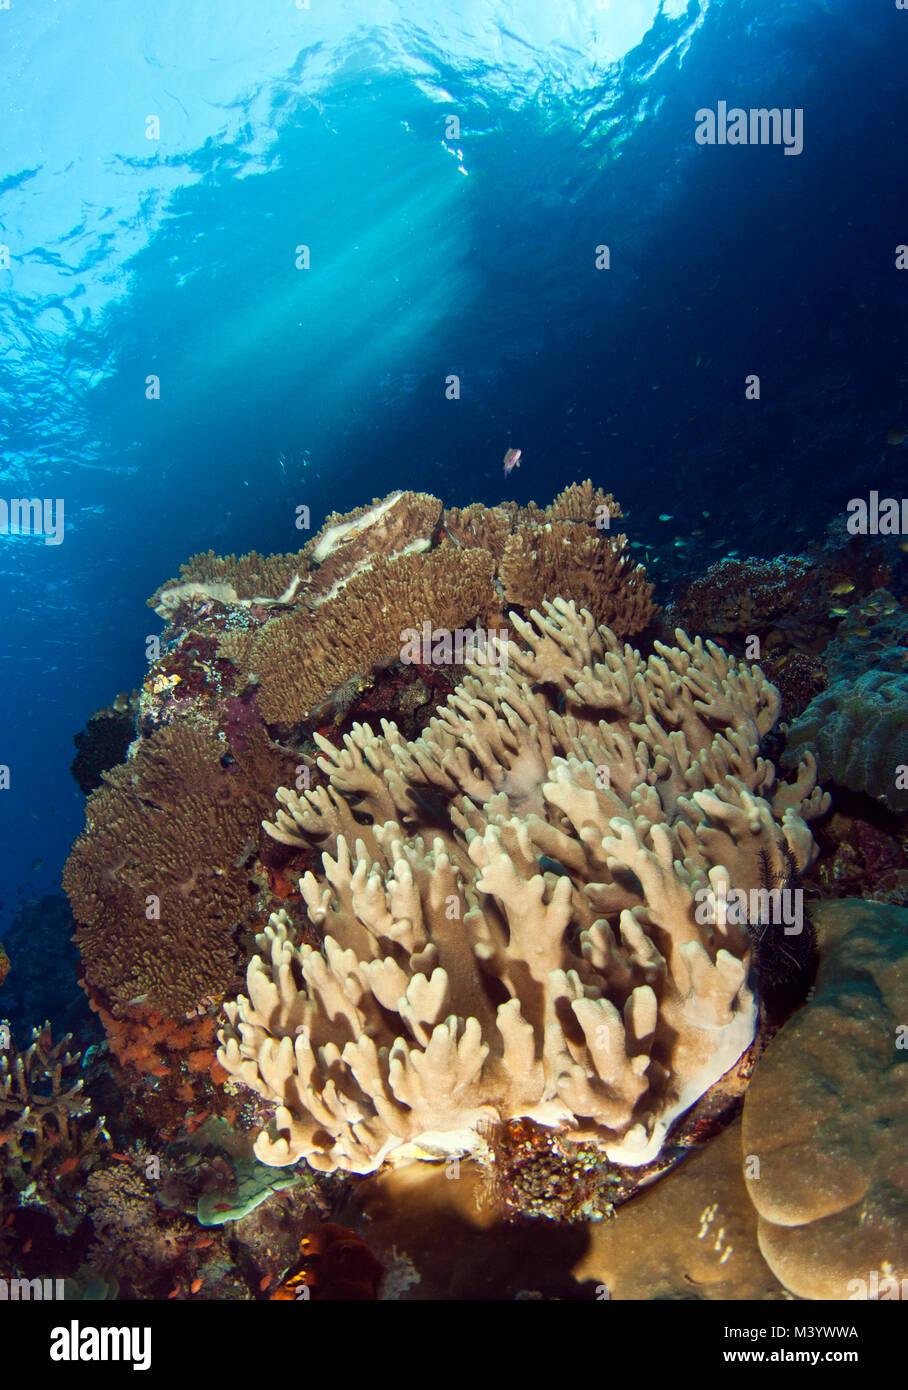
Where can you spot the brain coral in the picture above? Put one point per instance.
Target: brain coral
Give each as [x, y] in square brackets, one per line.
[508, 907]
[858, 730]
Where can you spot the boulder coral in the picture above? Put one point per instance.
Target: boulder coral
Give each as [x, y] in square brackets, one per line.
[826, 1117]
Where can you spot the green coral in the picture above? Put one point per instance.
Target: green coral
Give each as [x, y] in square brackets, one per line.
[254, 1182]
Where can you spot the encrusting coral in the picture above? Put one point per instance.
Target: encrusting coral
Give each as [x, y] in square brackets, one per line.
[826, 1117]
[510, 907]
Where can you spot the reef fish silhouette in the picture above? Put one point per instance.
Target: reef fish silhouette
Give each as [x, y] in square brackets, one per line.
[511, 460]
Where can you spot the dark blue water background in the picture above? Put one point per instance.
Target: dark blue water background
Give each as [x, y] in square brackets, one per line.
[429, 256]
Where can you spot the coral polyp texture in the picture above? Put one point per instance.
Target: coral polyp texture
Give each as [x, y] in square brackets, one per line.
[160, 878]
[509, 907]
[305, 625]
[858, 730]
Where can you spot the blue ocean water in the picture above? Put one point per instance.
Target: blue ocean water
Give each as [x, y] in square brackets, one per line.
[169, 250]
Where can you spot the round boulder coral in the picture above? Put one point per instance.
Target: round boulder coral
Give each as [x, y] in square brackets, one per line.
[826, 1117]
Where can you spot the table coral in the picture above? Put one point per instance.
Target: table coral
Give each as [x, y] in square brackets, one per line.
[301, 658]
[458, 985]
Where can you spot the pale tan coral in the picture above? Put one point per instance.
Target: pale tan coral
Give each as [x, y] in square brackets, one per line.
[826, 1117]
[508, 908]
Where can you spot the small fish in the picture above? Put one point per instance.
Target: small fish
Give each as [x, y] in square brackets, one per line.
[860, 632]
[665, 516]
[897, 435]
[837, 612]
[36, 863]
[844, 586]
[511, 460]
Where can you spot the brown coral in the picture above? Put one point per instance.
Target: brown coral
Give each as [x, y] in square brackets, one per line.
[45, 1119]
[562, 557]
[232, 579]
[565, 548]
[350, 543]
[301, 658]
[764, 598]
[160, 879]
[485, 527]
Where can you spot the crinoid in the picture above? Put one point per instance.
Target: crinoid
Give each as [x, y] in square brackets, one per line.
[784, 953]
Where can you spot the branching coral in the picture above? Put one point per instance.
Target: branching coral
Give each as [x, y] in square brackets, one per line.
[403, 523]
[400, 524]
[232, 579]
[509, 907]
[44, 1116]
[562, 557]
[338, 607]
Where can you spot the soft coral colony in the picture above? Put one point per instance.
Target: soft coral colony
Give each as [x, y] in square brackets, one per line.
[508, 907]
